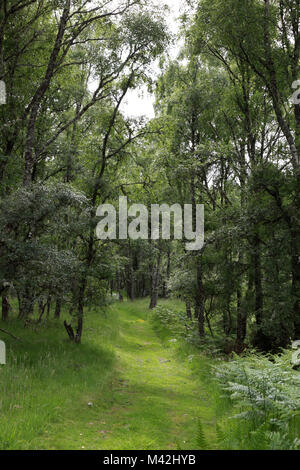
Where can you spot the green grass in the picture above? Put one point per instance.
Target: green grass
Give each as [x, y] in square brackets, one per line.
[145, 391]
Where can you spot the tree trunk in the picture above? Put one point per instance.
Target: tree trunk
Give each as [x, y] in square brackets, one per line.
[130, 275]
[257, 281]
[40, 93]
[80, 313]
[5, 308]
[57, 308]
[295, 261]
[188, 309]
[241, 323]
[165, 288]
[48, 305]
[69, 330]
[26, 304]
[199, 301]
[119, 287]
[155, 282]
[42, 307]
[227, 318]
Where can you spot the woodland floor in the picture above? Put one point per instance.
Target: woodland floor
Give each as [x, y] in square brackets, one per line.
[148, 397]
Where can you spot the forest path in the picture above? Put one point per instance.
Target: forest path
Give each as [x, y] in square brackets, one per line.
[157, 398]
[130, 389]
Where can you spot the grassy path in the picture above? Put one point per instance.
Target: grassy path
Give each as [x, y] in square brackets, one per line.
[128, 390]
[158, 399]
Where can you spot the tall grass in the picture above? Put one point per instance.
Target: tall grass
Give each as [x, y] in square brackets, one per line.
[48, 380]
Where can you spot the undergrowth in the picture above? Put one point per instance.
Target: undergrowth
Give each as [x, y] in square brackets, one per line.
[256, 396]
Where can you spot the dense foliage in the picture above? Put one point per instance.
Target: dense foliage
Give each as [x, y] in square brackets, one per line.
[226, 135]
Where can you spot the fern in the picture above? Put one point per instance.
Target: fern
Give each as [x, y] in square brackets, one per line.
[201, 441]
[220, 436]
[266, 395]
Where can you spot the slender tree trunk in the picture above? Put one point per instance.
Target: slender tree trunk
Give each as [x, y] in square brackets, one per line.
[26, 304]
[5, 307]
[42, 307]
[155, 278]
[69, 330]
[57, 308]
[80, 316]
[48, 304]
[241, 323]
[119, 287]
[258, 281]
[130, 283]
[200, 299]
[165, 288]
[130, 275]
[188, 309]
[227, 317]
[295, 261]
[40, 93]
[209, 324]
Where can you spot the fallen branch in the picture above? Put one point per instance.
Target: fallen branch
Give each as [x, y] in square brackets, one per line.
[70, 330]
[10, 334]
